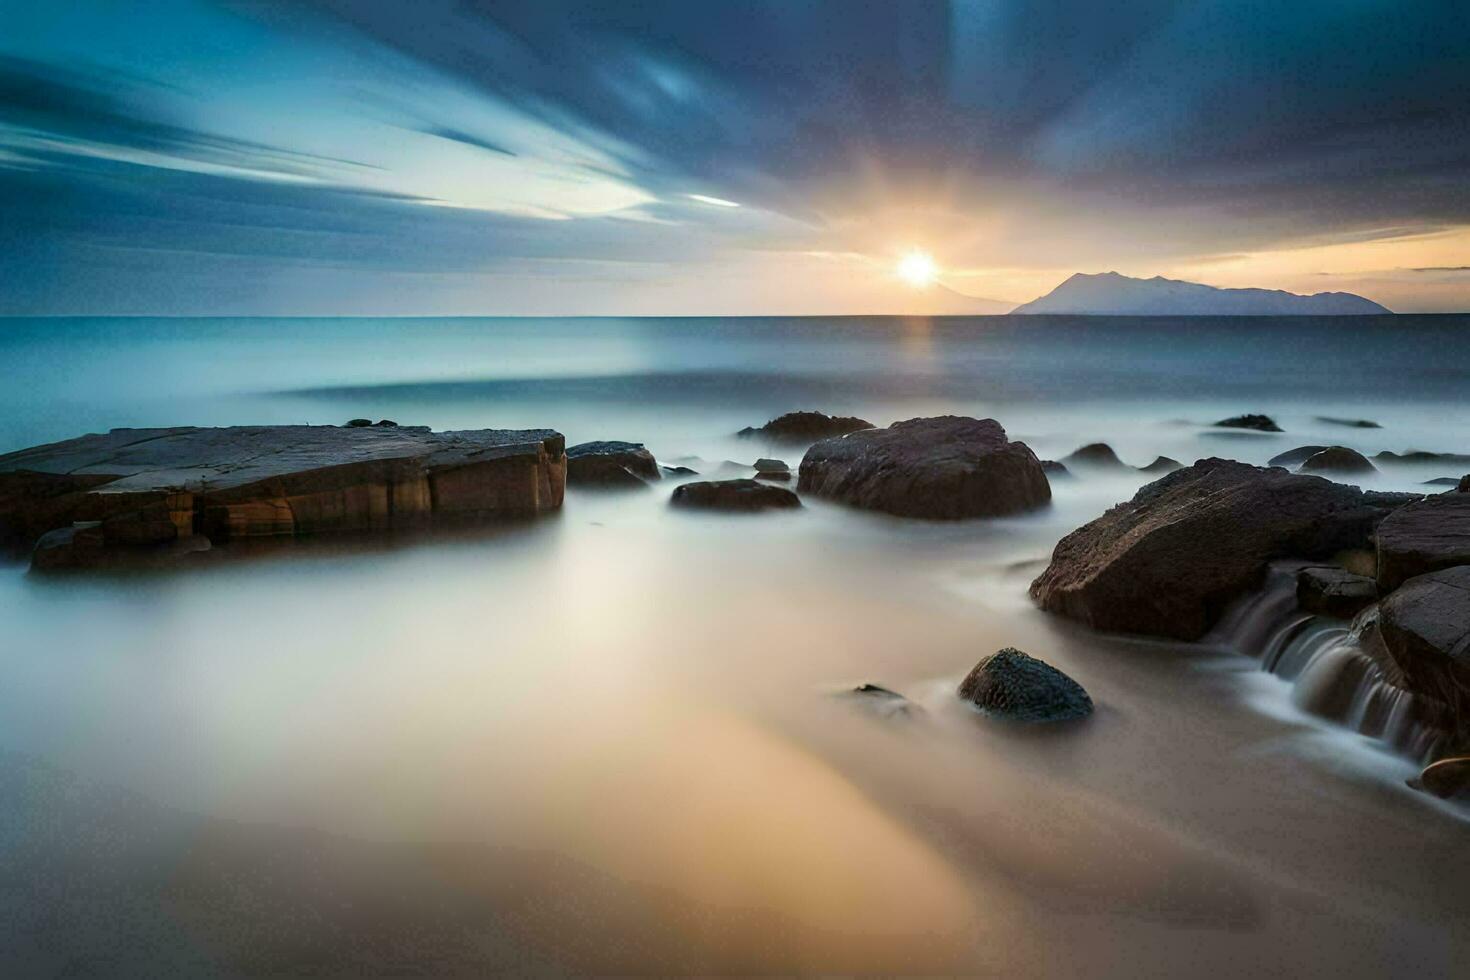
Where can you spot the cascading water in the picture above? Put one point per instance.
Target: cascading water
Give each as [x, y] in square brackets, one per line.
[1331, 670]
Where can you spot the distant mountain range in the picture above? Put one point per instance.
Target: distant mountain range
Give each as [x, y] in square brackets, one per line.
[939, 300]
[1112, 294]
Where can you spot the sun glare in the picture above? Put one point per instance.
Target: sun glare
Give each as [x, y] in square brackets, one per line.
[917, 269]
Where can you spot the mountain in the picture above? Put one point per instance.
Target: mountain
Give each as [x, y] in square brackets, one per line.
[940, 300]
[1111, 294]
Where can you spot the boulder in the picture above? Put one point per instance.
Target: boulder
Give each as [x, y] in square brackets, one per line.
[1425, 627]
[1161, 465]
[1338, 459]
[1447, 778]
[1098, 455]
[1009, 684]
[610, 465]
[359, 423]
[805, 427]
[772, 469]
[1426, 535]
[1295, 457]
[1419, 456]
[1350, 423]
[1168, 561]
[680, 471]
[944, 468]
[733, 495]
[386, 423]
[145, 488]
[1055, 470]
[1332, 591]
[1260, 423]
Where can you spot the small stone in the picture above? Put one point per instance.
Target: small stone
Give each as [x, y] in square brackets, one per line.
[1010, 684]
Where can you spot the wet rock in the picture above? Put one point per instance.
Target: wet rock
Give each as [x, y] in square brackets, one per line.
[1055, 470]
[611, 465]
[1426, 535]
[944, 468]
[1295, 457]
[1009, 684]
[1097, 455]
[883, 702]
[1260, 423]
[1419, 456]
[734, 495]
[1332, 591]
[772, 469]
[1338, 459]
[680, 471]
[805, 427]
[1447, 778]
[359, 423]
[1425, 626]
[139, 489]
[1161, 465]
[1350, 423]
[1168, 561]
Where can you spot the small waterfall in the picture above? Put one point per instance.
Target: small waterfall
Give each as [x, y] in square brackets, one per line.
[1333, 673]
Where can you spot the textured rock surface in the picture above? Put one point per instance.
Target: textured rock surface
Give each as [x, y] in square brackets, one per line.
[733, 495]
[1098, 455]
[1425, 626]
[152, 487]
[1337, 459]
[611, 464]
[1426, 535]
[1010, 684]
[1168, 561]
[1333, 591]
[1260, 423]
[949, 467]
[800, 427]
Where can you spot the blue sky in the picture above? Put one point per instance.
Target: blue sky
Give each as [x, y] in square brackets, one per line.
[444, 156]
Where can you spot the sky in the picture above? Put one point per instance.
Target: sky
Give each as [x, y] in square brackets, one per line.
[462, 157]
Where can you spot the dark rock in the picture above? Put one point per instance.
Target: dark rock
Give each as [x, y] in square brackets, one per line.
[66, 548]
[733, 495]
[1447, 778]
[1350, 423]
[1464, 485]
[1260, 423]
[1167, 562]
[386, 423]
[1425, 626]
[680, 471]
[1332, 591]
[1447, 481]
[941, 468]
[883, 702]
[1098, 455]
[610, 465]
[1295, 457]
[1010, 684]
[144, 488]
[1338, 459]
[1162, 465]
[779, 476]
[1424, 536]
[1419, 456]
[359, 423]
[1055, 470]
[805, 427]
[764, 465]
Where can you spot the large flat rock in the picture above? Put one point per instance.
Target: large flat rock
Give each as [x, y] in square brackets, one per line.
[1431, 534]
[147, 487]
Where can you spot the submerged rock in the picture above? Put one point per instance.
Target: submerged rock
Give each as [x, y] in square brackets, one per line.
[1333, 591]
[1168, 561]
[1295, 457]
[1446, 481]
[149, 488]
[680, 471]
[944, 468]
[1010, 684]
[1425, 626]
[1426, 535]
[1162, 465]
[1260, 423]
[1337, 459]
[799, 427]
[883, 702]
[1098, 455]
[733, 495]
[1350, 423]
[611, 465]
[359, 423]
[1055, 470]
[1416, 456]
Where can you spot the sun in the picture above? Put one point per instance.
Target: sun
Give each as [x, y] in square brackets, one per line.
[917, 269]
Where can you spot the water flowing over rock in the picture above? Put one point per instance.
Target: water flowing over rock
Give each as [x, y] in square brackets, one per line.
[611, 465]
[945, 468]
[805, 427]
[1426, 535]
[1168, 561]
[1010, 684]
[733, 495]
[148, 488]
[1338, 459]
[1260, 423]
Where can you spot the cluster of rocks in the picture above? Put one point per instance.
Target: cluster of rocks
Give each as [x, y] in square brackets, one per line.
[1008, 685]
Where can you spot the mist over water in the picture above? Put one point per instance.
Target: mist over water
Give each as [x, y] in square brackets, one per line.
[614, 739]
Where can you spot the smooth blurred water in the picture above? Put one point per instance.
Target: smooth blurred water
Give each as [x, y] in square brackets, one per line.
[611, 740]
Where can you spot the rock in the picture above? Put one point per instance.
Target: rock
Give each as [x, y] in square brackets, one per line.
[772, 469]
[1295, 457]
[1338, 459]
[1424, 536]
[1447, 778]
[144, 488]
[1009, 684]
[680, 471]
[733, 495]
[944, 468]
[1446, 481]
[1464, 485]
[1162, 465]
[610, 465]
[1332, 591]
[1055, 470]
[386, 423]
[359, 423]
[883, 702]
[805, 427]
[1260, 423]
[1418, 456]
[1167, 562]
[1098, 455]
[1425, 626]
[1350, 423]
